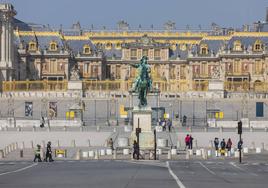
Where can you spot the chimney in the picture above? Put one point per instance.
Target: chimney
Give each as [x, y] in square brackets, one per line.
[266, 14]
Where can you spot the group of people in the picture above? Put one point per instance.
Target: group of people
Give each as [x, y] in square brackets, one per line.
[48, 157]
[223, 145]
[165, 123]
[188, 142]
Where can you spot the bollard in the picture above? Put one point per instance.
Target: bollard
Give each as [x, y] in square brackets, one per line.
[204, 154]
[251, 129]
[187, 155]
[125, 151]
[91, 154]
[169, 155]
[32, 144]
[114, 129]
[221, 129]
[96, 155]
[216, 153]
[191, 152]
[195, 144]
[42, 153]
[209, 153]
[78, 154]
[178, 144]
[9, 148]
[98, 128]
[102, 152]
[88, 141]
[173, 151]
[21, 153]
[245, 150]
[252, 145]
[258, 150]
[262, 146]
[1, 154]
[114, 155]
[210, 145]
[34, 129]
[13, 146]
[22, 145]
[18, 128]
[81, 129]
[85, 154]
[58, 143]
[159, 151]
[64, 128]
[198, 152]
[73, 144]
[109, 151]
[48, 129]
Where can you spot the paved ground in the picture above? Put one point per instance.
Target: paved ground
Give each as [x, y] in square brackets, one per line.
[136, 174]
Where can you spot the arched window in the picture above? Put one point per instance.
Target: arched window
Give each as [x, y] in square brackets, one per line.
[86, 49]
[32, 46]
[108, 45]
[203, 49]
[237, 46]
[53, 46]
[257, 45]
[118, 45]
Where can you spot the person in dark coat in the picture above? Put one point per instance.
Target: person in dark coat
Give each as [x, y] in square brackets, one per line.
[38, 154]
[216, 144]
[191, 142]
[49, 153]
[135, 150]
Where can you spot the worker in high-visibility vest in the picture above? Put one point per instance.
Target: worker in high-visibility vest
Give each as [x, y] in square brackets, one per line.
[38, 153]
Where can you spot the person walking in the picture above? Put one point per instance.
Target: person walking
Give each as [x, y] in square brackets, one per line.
[187, 141]
[111, 144]
[223, 146]
[216, 144]
[135, 150]
[191, 142]
[169, 124]
[49, 152]
[38, 153]
[229, 144]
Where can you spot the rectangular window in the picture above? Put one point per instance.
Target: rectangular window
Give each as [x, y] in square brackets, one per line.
[258, 67]
[53, 66]
[133, 54]
[259, 109]
[157, 54]
[94, 71]
[145, 52]
[117, 72]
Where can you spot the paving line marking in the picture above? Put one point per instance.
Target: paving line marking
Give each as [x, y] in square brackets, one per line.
[243, 170]
[19, 170]
[174, 176]
[210, 171]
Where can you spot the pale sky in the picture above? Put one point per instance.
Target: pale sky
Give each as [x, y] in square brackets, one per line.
[226, 13]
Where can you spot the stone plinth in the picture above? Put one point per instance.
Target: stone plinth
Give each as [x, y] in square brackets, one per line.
[143, 116]
[75, 85]
[216, 85]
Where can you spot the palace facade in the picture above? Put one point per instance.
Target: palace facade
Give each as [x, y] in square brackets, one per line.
[180, 61]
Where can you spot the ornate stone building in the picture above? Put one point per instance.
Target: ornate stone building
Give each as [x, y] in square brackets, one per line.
[180, 61]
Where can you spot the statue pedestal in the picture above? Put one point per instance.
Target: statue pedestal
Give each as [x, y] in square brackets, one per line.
[143, 117]
[75, 87]
[216, 85]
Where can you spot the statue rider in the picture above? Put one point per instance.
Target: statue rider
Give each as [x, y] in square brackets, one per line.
[144, 71]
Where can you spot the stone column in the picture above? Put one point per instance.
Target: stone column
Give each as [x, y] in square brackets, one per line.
[7, 12]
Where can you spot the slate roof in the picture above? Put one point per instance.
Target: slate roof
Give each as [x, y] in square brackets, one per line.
[77, 45]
